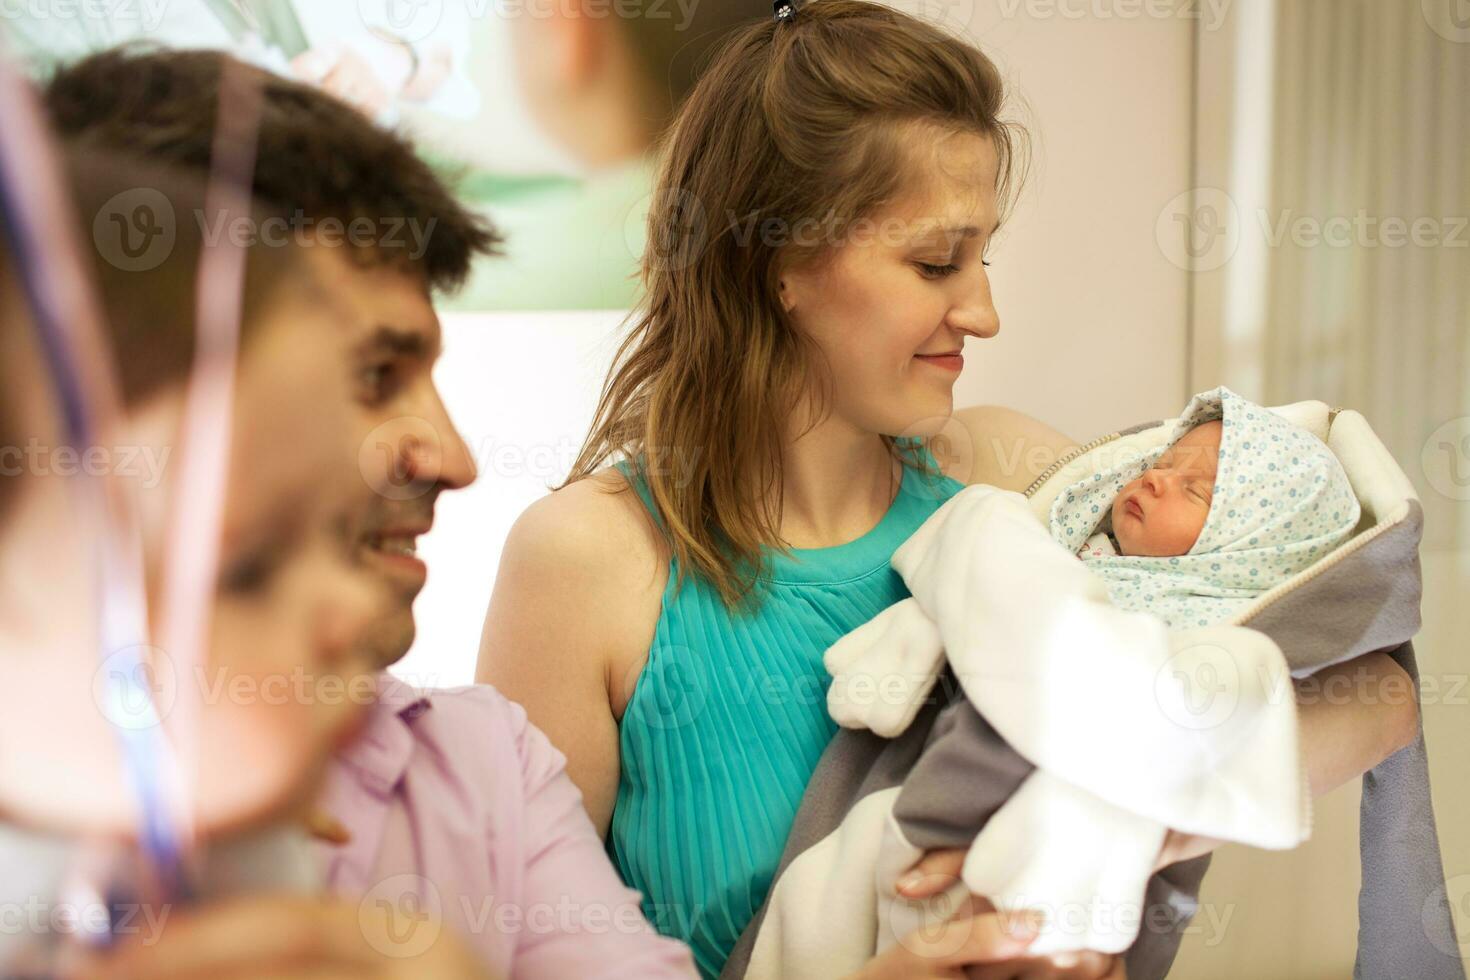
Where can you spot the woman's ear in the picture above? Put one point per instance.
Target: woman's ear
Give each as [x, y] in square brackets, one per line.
[787, 294]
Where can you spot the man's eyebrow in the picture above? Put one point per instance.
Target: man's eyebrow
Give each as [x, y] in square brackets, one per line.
[400, 340]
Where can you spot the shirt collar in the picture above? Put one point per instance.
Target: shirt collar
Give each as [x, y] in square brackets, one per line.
[382, 748]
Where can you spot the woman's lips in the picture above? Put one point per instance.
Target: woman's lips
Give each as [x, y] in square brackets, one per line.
[948, 362]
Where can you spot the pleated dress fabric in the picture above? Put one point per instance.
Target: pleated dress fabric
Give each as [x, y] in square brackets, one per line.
[729, 718]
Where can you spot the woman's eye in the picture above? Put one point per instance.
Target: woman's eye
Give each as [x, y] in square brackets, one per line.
[931, 271]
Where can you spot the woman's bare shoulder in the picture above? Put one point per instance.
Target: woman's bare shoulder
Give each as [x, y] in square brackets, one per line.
[571, 616]
[580, 585]
[592, 530]
[999, 446]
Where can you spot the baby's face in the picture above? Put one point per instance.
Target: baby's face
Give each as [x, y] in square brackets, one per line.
[1163, 511]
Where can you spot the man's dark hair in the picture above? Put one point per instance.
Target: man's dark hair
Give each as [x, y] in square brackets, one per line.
[148, 301]
[315, 153]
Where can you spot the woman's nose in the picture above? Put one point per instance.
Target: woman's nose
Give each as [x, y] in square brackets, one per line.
[976, 314]
[978, 320]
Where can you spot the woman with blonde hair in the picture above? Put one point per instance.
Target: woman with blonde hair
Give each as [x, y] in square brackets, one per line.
[819, 238]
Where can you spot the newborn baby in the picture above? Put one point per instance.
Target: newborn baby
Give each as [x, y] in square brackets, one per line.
[1240, 501]
[1163, 511]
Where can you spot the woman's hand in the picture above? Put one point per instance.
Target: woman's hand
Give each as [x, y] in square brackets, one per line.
[973, 936]
[289, 938]
[936, 872]
[1181, 847]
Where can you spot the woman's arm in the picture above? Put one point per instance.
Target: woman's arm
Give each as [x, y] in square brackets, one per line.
[1006, 448]
[574, 606]
[1352, 717]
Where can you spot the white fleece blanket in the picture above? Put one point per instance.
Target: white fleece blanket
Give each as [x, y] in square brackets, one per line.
[1133, 728]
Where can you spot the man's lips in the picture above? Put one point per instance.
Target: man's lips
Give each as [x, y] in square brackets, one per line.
[396, 542]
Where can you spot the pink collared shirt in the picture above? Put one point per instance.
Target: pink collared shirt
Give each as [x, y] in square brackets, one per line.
[461, 812]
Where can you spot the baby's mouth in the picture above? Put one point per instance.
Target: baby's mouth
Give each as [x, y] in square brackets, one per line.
[1132, 507]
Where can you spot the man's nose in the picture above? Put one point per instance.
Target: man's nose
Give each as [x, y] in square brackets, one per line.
[440, 456]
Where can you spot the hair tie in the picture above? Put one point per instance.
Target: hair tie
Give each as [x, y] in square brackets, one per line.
[785, 9]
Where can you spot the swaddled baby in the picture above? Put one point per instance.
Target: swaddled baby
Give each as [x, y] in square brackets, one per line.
[1240, 501]
[1083, 668]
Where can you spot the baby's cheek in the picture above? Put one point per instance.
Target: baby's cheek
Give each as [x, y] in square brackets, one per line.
[1185, 532]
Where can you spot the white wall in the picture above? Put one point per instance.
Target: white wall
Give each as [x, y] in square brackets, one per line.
[1092, 312]
[521, 388]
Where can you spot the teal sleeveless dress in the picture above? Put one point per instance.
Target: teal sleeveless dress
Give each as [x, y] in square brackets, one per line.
[727, 722]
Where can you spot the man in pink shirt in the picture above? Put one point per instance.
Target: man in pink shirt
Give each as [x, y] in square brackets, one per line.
[455, 811]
